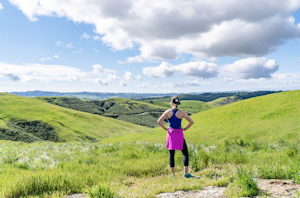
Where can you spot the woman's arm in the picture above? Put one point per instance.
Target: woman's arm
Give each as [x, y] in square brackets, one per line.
[188, 118]
[161, 119]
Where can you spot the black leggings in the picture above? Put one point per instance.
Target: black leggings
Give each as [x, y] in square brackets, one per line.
[185, 153]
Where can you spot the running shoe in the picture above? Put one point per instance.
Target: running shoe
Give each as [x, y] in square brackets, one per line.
[173, 175]
[188, 175]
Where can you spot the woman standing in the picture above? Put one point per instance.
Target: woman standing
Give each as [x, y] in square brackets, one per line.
[175, 138]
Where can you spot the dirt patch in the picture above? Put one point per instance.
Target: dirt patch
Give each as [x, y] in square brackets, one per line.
[268, 188]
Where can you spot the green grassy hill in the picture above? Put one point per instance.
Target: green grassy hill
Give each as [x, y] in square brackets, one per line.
[223, 101]
[270, 117]
[191, 106]
[131, 111]
[36, 120]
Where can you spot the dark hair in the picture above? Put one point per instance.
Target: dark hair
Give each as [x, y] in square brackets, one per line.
[175, 100]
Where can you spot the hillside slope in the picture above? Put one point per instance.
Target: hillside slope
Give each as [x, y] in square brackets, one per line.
[271, 117]
[19, 113]
[191, 106]
[131, 111]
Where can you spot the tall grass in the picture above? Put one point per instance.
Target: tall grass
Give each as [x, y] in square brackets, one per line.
[140, 169]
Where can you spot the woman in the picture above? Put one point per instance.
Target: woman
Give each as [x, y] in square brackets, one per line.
[175, 138]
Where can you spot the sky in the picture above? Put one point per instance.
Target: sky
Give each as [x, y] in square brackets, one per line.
[140, 46]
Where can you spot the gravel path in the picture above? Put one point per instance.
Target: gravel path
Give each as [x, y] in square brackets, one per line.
[270, 188]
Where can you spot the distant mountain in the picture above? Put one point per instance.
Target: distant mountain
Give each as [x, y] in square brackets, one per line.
[93, 95]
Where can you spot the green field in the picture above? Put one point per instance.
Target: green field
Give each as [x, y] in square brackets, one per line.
[69, 124]
[190, 106]
[230, 145]
[271, 117]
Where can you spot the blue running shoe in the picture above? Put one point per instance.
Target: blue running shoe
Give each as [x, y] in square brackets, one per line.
[188, 175]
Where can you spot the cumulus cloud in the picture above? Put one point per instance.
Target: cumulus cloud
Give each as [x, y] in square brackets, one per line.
[197, 69]
[123, 84]
[73, 78]
[112, 77]
[85, 36]
[164, 29]
[101, 82]
[253, 68]
[12, 77]
[1, 7]
[98, 69]
[128, 76]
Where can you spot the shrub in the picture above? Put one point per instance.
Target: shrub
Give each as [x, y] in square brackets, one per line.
[243, 185]
[101, 191]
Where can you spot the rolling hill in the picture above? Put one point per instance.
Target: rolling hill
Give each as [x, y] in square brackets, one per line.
[29, 119]
[120, 108]
[270, 117]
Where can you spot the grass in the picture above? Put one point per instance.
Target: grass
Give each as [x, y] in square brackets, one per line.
[140, 169]
[120, 108]
[191, 106]
[223, 101]
[268, 118]
[69, 124]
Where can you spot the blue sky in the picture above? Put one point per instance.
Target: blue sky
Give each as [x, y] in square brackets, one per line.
[142, 46]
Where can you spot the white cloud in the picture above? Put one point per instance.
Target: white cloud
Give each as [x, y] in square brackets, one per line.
[48, 58]
[69, 45]
[112, 77]
[252, 68]
[138, 77]
[96, 38]
[73, 78]
[286, 76]
[186, 84]
[98, 69]
[225, 79]
[78, 51]
[59, 43]
[128, 76]
[96, 50]
[197, 69]
[101, 81]
[164, 29]
[1, 7]
[85, 36]
[123, 84]
[43, 73]
[135, 59]
[144, 85]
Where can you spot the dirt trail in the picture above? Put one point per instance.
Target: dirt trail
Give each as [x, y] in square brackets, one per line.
[268, 188]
